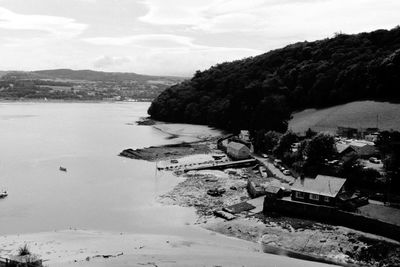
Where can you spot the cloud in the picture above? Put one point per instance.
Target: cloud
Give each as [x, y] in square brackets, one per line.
[152, 40]
[273, 18]
[166, 43]
[109, 61]
[56, 26]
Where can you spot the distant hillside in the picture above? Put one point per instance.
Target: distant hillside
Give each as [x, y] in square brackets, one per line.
[86, 75]
[261, 92]
[77, 85]
[360, 114]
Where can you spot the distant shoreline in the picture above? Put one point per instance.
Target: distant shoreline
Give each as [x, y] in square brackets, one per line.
[70, 101]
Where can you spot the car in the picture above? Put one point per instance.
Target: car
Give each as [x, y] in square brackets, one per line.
[374, 160]
[333, 162]
[286, 172]
[174, 161]
[282, 168]
[264, 156]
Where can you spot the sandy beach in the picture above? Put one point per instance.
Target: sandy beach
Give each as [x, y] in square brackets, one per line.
[93, 248]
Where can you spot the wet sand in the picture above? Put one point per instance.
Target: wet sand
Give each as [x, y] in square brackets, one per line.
[91, 248]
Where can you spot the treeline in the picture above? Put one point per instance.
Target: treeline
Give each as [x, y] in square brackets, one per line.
[261, 92]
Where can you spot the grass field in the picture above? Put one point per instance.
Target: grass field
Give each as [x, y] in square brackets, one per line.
[360, 114]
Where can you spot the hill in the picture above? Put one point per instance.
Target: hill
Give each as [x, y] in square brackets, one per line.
[85, 75]
[262, 91]
[82, 85]
[359, 114]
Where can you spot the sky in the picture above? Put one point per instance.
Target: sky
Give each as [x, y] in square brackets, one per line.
[171, 37]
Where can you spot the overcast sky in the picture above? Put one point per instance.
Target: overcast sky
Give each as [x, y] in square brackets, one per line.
[171, 37]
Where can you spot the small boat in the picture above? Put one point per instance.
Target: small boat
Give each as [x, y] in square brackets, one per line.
[3, 194]
[63, 169]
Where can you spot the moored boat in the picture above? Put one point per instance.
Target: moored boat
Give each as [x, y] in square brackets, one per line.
[3, 194]
[63, 169]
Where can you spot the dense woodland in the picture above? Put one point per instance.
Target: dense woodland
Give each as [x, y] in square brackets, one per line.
[261, 92]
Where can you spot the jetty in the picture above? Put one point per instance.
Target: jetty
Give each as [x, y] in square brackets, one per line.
[222, 165]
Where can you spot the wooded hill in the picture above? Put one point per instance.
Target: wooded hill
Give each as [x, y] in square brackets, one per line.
[83, 75]
[261, 92]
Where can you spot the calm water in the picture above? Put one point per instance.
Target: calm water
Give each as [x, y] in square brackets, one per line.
[100, 190]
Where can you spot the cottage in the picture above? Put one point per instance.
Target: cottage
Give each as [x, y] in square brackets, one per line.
[244, 135]
[322, 190]
[272, 191]
[238, 151]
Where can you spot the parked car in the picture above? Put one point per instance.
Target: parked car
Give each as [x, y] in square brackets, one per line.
[264, 156]
[174, 161]
[333, 162]
[216, 192]
[277, 163]
[374, 160]
[286, 172]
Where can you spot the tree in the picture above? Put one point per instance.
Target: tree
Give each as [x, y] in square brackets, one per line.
[310, 133]
[319, 148]
[285, 143]
[264, 141]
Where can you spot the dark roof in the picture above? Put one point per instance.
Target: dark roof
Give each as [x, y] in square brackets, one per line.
[237, 146]
[237, 208]
[272, 189]
[366, 150]
[321, 185]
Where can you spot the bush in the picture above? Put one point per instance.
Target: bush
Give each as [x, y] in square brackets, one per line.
[24, 250]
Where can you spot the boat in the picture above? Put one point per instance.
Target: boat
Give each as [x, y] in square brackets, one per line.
[63, 169]
[3, 194]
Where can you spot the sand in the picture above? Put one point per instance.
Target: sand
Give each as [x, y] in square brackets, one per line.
[93, 248]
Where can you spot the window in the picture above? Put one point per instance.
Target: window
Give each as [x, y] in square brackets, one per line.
[327, 199]
[314, 197]
[299, 194]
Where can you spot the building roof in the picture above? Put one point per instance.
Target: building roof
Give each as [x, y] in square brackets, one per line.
[366, 150]
[321, 185]
[236, 146]
[340, 147]
[272, 189]
[344, 144]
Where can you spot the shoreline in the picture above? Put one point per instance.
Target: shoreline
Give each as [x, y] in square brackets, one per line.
[224, 243]
[329, 244]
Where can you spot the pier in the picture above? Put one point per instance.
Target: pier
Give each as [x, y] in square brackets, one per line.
[222, 165]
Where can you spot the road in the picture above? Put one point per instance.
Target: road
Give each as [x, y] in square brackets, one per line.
[275, 171]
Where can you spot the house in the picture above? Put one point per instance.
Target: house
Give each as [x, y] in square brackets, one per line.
[371, 137]
[244, 135]
[272, 191]
[367, 151]
[322, 190]
[237, 151]
[364, 152]
[347, 132]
